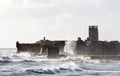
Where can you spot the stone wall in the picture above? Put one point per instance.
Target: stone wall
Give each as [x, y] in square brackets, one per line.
[97, 48]
[53, 52]
[45, 47]
[28, 47]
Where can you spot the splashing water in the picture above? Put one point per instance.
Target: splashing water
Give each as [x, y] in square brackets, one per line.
[12, 64]
[24, 54]
[70, 47]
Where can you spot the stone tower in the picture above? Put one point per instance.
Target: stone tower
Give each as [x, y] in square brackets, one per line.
[93, 33]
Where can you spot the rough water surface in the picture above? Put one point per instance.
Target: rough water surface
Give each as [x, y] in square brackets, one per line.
[23, 64]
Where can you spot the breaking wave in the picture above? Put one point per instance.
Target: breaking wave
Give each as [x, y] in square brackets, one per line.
[24, 64]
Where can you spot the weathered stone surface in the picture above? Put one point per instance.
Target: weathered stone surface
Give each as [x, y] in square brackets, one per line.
[91, 46]
[45, 47]
[53, 52]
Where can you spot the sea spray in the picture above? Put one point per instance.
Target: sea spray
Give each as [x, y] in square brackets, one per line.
[24, 54]
[70, 47]
[26, 65]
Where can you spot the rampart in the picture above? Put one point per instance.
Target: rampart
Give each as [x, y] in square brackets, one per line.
[89, 47]
[42, 47]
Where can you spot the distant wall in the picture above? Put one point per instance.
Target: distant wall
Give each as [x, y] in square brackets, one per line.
[44, 47]
[28, 47]
[61, 45]
[97, 48]
[53, 52]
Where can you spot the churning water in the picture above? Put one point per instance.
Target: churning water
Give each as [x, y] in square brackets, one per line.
[70, 47]
[23, 64]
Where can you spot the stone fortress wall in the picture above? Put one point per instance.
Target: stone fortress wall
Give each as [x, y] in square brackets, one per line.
[90, 47]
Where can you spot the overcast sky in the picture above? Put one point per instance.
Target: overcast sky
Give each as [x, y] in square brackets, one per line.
[31, 20]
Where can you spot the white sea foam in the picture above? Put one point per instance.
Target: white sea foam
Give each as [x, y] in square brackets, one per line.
[12, 64]
[69, 47]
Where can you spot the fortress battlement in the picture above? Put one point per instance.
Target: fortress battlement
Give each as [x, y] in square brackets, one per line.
[91, 46]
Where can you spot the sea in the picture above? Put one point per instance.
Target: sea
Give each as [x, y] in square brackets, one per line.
[25, 64]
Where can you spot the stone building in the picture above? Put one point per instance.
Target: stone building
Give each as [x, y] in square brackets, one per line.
[42, 47]
[90, 47]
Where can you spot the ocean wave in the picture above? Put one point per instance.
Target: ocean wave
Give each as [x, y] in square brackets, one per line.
[41, 71]
[24, 64]
[52, 71]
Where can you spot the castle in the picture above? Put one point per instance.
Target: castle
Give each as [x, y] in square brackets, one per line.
[90, 47]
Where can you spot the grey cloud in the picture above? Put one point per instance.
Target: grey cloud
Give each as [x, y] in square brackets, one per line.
[75, 7]
[60, 19]
[32, 1]
[112, 5]
[32, 12]
[40, 1]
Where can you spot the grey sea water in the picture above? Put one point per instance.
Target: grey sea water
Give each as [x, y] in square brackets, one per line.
[23, 64]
